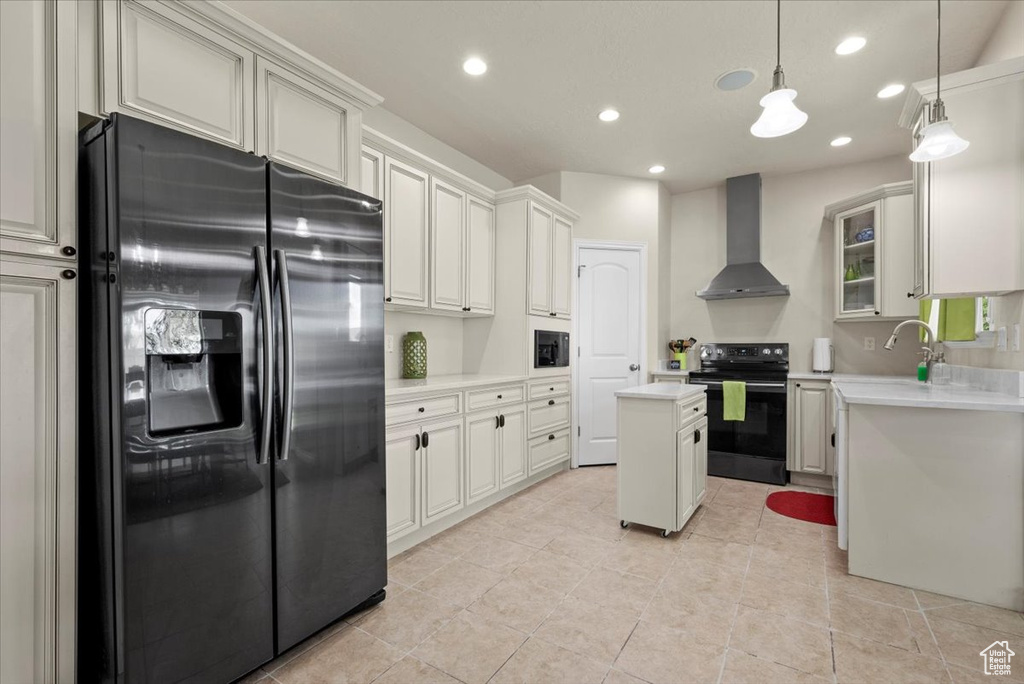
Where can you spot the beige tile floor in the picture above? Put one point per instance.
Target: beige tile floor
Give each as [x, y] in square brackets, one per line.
[546, 587]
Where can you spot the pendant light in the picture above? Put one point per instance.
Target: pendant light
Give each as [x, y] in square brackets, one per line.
[938, 139]
[780, 115]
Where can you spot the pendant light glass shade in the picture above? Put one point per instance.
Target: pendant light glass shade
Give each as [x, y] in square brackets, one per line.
[938, 141]
[780, 115]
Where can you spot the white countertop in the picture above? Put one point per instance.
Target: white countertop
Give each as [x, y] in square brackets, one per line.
[809, 375]
[397, 387]
[910, 393]
[668, 391]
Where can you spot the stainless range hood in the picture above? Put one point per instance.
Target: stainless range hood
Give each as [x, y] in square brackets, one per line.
[743, 275]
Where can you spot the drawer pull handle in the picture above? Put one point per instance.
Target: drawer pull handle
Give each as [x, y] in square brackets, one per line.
[552, 389]
[696, 437]
[696, 408]
[497, 422]
[502, 417]
[426, 440]
[417, 447]
[551, 402]
[421, 409]
[550, 437]
[499, 396]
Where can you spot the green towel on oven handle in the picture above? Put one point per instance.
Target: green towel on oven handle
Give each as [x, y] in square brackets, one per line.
[734, 400]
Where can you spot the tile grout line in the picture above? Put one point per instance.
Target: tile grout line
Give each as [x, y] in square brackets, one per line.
[828, 610]
[736, 608]
[931, 632]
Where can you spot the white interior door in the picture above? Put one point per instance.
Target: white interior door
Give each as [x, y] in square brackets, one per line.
[610, 344]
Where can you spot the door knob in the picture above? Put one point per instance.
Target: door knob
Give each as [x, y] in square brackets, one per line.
[634, 367]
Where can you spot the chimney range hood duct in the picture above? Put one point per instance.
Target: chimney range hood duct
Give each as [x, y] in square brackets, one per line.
[743, 275]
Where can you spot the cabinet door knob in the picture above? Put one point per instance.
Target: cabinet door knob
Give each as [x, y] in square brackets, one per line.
[551, 402]
[696, 437]
[798, 384]
[68, 251]
[552, 389]
[421, 409]
[387, 299]
[552, 314]
[910, 295]
[499, 396]
[68, 274]
[550, 437]
[878, 313]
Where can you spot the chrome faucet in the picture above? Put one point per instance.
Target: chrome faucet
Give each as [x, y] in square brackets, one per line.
[929, 348]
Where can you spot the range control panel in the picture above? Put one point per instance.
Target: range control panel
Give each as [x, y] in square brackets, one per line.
[763, 352]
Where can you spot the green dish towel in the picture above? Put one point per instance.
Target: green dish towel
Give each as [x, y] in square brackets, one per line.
[734, 400]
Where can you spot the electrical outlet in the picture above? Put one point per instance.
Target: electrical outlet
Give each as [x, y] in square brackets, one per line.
[1016, 337]
[869, 344]
[1001, 339]
[389, 344]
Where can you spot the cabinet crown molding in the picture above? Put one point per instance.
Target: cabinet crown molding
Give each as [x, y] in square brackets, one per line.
[391, 147]
[873, 195]
[924, 91]
[268, 44]
[531, 193]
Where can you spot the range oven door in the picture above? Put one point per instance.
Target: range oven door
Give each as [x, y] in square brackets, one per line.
[750, 449]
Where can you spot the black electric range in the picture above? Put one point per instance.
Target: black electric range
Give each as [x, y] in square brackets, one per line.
[754, 448]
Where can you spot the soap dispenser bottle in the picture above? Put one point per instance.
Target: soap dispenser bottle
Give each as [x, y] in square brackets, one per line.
[941, 374]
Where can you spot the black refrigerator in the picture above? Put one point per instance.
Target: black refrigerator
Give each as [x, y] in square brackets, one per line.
[231, 487]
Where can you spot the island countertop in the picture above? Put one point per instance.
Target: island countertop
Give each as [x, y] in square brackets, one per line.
[666, 391]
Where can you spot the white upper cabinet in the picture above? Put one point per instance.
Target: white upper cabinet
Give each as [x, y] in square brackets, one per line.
[874, 254]
[561, 268]
[304, 125]
[165, 67]
[200, 68]
[541, 227]
[480, 255]
[371, 177]
[550, 263]
[447, 246]
[969, 215]
[37, 137]
[406, 234]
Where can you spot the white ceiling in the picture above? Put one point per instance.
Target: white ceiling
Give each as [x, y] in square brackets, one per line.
[554, 65]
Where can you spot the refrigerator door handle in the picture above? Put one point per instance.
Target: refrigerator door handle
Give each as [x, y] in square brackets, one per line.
[289, 354]
[263, 276]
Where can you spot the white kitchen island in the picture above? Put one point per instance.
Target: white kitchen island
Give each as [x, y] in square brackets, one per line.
[931, 487]
[662, 454]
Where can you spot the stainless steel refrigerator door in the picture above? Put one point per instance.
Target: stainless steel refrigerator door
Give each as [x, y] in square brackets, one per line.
[197, 574]
[329, 484]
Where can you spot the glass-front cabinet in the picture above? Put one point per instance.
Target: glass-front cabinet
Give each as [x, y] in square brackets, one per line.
[874, 254]
[857, 230]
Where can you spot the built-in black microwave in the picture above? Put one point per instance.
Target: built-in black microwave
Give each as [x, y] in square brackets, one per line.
[550, 349]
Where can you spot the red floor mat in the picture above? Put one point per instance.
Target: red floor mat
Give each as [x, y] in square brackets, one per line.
[815, 508]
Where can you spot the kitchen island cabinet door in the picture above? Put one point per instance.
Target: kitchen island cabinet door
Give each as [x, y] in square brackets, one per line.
[483, 432]
[686, 456]
[406, 234]
[442, 469]
[402, 484]
[700, 462]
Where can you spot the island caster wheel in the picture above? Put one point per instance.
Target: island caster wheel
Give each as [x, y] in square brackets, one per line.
[623, 523]
[664, 534]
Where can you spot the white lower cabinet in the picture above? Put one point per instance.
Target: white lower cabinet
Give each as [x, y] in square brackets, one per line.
[441, 445]
[483, 432]
[403, 493]
[548, 450]
[512, 451]
[809, 411]
[37, 471]
[549, 415]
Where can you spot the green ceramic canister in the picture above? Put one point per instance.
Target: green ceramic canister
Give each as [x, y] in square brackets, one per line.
[414, 356]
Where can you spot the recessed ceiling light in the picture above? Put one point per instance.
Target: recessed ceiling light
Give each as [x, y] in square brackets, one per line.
[735, 79]
[608, 115]
[891, 90]
[850, 45]
[841, 140]
[474, 66]
[657, 168]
